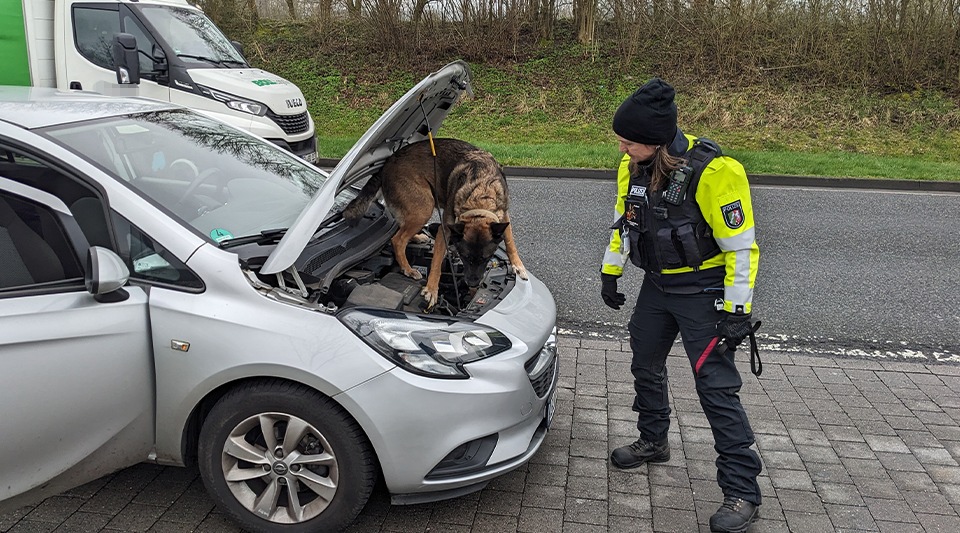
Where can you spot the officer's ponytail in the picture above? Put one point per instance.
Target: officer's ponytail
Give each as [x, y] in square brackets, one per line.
[662, 165]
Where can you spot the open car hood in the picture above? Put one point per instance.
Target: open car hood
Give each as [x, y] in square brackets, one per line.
[407, 121]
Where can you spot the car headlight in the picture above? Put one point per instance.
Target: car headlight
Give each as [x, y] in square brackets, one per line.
[429, 346]
[234, 102]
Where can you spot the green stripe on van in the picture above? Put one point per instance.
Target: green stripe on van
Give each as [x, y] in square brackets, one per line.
[13, 44]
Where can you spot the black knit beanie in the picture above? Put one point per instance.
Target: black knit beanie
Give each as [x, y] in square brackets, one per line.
[649, 115]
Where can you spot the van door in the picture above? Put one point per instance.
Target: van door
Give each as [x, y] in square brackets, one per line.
[88, 58]
[77, 386]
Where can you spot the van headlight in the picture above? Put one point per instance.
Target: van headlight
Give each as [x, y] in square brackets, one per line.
[429, 346]
[234, 102]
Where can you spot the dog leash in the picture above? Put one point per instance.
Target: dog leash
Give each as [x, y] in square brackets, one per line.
[756, 365]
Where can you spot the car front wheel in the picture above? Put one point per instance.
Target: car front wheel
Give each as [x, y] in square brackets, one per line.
[280, 457]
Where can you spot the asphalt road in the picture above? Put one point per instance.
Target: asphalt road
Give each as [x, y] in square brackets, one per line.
[842, 271]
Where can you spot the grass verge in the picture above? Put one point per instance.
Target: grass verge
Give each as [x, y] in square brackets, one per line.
[553, 106]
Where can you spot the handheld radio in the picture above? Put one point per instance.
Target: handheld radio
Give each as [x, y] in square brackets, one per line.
[677, 186]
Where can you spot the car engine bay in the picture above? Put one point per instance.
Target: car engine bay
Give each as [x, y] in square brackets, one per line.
[378, 282]
[355, 266]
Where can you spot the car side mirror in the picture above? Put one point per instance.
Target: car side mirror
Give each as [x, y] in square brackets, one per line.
[238, 45]
[106, 275]
[126, 61]
[159, 59]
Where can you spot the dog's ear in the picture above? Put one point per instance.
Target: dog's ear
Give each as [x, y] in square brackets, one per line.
[497, 229]
[456, 232]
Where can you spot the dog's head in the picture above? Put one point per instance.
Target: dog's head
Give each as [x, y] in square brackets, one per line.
[476, 240]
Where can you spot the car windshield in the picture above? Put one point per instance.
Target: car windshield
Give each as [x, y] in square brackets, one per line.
[220, 180]
[192, 35]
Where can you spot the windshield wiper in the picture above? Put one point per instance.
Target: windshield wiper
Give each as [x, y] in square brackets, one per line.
[271, 236]
[217, 62]
[267, 236]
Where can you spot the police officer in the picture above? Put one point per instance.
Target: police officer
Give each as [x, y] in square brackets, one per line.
[684, 215]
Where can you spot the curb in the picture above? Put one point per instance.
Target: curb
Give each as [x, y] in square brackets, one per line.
[755, 179]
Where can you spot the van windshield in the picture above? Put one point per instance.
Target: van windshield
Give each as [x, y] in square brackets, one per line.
[222, 181]
[192, 36]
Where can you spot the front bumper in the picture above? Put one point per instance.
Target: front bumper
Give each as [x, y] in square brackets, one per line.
[305, 149]
[440, 438]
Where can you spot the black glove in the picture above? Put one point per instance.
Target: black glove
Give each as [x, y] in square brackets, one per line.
[608, 291]
[732, 329]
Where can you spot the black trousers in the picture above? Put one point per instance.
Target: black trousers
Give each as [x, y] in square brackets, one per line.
[656, 320]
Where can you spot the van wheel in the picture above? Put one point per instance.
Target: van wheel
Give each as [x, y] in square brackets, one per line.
[280, 457]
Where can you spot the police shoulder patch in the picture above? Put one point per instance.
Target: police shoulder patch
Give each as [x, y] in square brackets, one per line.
[733, 214]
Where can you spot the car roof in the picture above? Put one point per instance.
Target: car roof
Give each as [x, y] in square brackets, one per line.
[38, 107]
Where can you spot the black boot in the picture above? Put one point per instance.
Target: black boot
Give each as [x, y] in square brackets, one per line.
[642, 451]
[734, 516]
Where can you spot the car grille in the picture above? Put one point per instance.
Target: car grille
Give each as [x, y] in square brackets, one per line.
[543, 378]
[291, 124]
[541, 384]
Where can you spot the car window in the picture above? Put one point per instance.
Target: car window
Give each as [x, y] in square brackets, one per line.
[148, 261]
[34, 249]
[144, 45]
[83, 201]
[220, 181]
[94, 30]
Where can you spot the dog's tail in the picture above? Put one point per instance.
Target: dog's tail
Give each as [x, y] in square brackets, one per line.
[358, 206]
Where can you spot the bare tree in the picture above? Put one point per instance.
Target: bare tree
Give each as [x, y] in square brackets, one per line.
[585, 17]
[354, 8]
[324, 11]
[631, 19]
[253, 13]
[418, 8]
[292, 8]
[543, 14]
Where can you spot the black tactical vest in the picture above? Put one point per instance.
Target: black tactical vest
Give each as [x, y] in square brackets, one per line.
[663, 235]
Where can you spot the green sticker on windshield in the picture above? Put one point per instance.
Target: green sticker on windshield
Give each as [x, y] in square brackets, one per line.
[220, 234]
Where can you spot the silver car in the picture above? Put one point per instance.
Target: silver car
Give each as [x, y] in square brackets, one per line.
[178, 291]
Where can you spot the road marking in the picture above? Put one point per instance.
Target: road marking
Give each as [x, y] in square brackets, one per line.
[813, 346]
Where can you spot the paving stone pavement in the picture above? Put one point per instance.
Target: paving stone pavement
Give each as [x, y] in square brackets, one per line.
[848, 444]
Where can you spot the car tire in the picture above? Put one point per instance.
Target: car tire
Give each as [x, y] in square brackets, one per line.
[249, 473]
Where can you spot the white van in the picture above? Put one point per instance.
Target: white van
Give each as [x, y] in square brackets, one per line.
[162, 49]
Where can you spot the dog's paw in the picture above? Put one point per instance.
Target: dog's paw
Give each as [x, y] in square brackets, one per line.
[520, 271]
[430, 297]
[420, 238]
[412, 273]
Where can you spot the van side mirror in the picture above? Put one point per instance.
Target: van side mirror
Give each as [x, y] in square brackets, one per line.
[238, 45]
[125, 59]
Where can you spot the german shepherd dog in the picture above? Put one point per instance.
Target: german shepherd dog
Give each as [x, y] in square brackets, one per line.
[467, 183]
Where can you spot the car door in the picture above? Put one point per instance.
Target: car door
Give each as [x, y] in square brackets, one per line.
[89, 60]
[77, 380]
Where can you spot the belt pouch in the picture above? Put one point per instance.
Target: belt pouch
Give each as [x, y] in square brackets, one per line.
[668, 250]
[688, 242]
